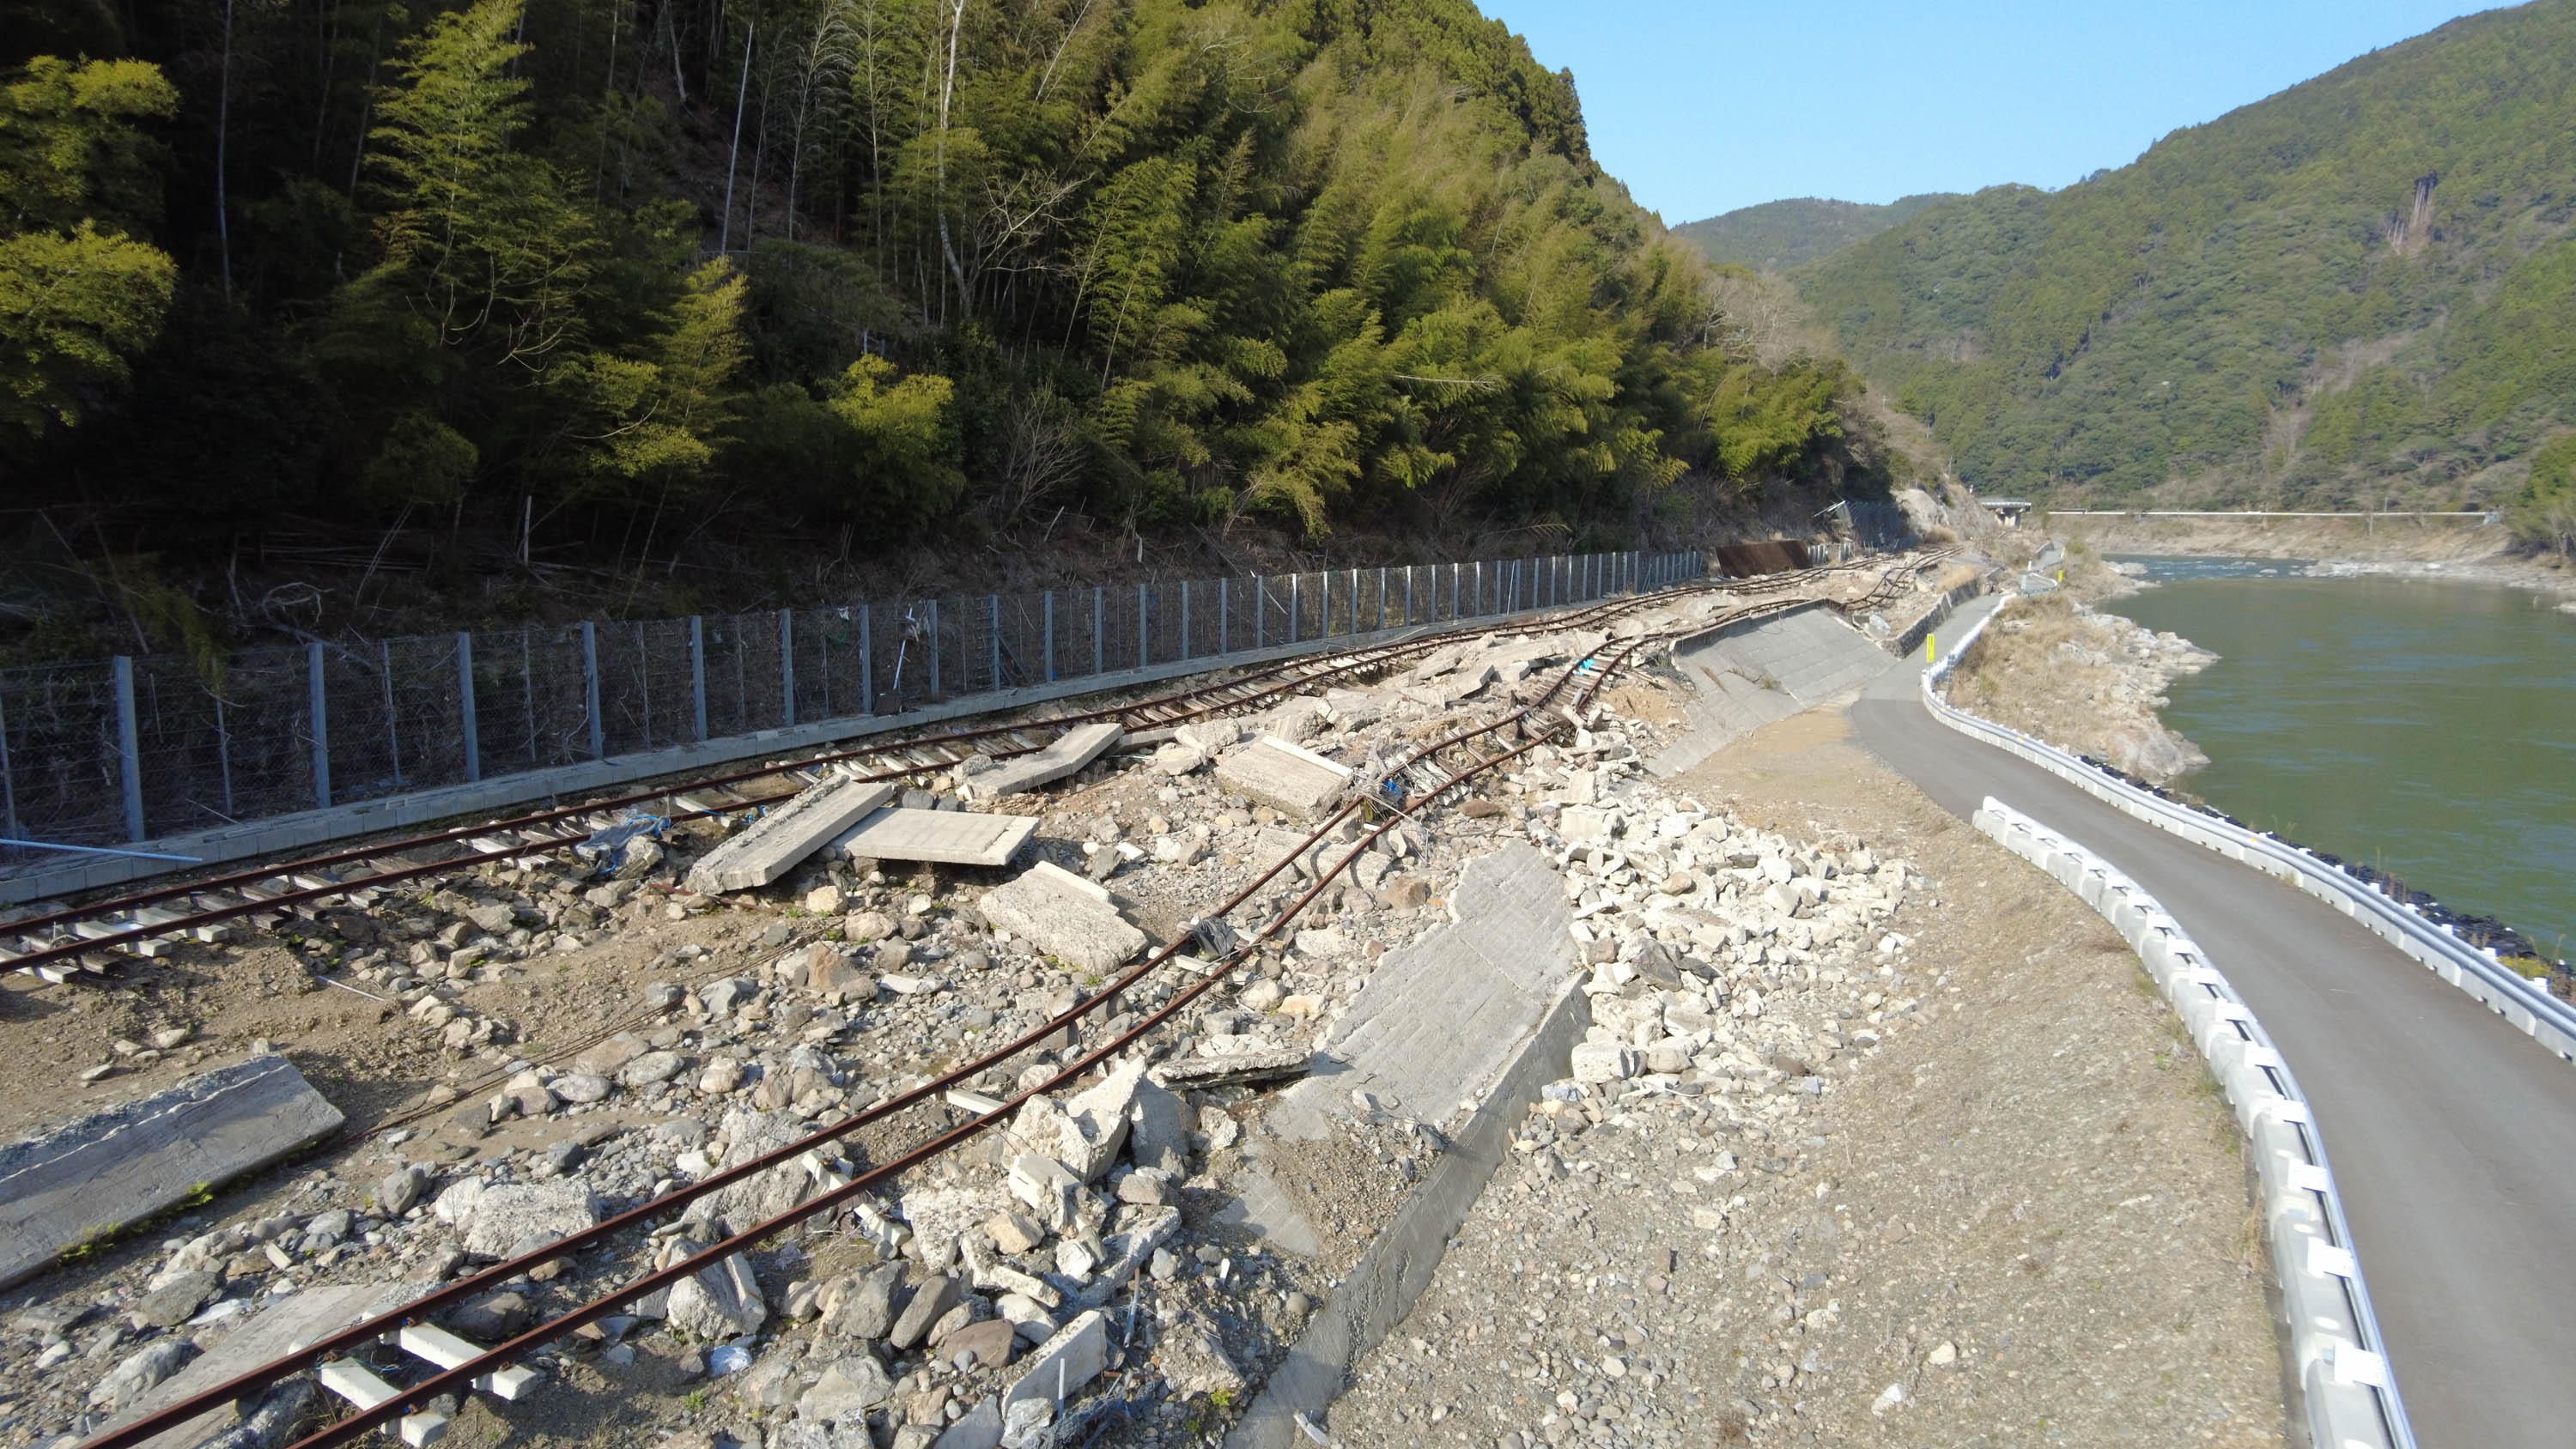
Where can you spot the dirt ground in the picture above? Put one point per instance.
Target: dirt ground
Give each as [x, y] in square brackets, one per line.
[2024, 1220]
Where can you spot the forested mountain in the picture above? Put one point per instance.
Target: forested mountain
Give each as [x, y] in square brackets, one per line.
[2356, 289]
[1778, 235]
[886, 265]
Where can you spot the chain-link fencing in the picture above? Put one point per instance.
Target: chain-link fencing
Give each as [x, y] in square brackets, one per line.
[114, 752]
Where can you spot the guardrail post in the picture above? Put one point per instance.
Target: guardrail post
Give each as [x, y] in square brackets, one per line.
[1046, 626]
[468, 731]
[129, 743]
[994, 602]
[316, 708]
[698, 674]
[933, 608]
[786, 667]
[590, 688]
[867, 664]
[1099, 629]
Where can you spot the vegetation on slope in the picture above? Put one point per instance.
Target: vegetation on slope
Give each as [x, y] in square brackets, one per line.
[1779, 235]
[871, 265]
[2354, 291]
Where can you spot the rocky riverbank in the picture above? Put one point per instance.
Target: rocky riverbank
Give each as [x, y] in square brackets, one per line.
[2084, 679]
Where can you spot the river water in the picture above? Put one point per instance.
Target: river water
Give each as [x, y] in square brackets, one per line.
[2424, 727]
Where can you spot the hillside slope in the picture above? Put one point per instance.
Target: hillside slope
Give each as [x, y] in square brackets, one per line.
[880, 269]
[1778, 235]
[2354, 290]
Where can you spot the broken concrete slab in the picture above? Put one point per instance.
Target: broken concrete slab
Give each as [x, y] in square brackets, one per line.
[1252, 1063]
[1265, 1209]
[1439, 1018]
[1064, 1363]
[1284, 776]
[129, 1162]
[1065, 916]
[782, 839]
[943, 837]
[287, 1324]
[1071, 751]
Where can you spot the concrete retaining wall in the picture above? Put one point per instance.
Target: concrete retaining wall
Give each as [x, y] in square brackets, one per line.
[2336, 1356]
[1751, 674]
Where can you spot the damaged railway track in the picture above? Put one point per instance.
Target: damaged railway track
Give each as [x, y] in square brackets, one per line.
[1437, 769]
[60, 943]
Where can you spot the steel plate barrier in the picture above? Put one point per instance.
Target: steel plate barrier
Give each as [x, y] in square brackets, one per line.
[2525, 1003]
[2336, 1354]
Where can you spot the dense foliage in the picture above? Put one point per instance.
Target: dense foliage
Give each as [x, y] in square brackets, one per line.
[868, 263]
[2358, 289]
[1778, 235]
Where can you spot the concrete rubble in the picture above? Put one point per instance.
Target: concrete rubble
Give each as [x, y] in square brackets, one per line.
[1081, 1246]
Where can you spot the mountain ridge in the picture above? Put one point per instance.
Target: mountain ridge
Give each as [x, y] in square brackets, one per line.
[1780, 235]
[2338, 294]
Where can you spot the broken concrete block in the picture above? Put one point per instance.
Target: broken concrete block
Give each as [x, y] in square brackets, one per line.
[1065, 916]
[1253, 1062]
[1076, 1355]
[1283, 776]
[1071, 751]
[130, 1162]
[1604, 1061]
[721, 1300]
[518, 1218]
[776, 843]
[1047, 1186]
[945, 837]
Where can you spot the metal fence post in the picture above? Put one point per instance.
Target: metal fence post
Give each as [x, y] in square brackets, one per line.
[1187, 653]
[1143, 646]
[1260, 608]
[1099, 629]
[1381, 599]
[473, 736]
[698, 673]
[1046, 615]
[994, 602]
[393, 733]
[934, 648]
[314, 704]
[1224, 604]
[867, 663]
[1479, 578]
[1293, 604]
[1408, 595]
[787, 666]
[129, 741]
[590, 689]
[1355, 603]
[9, 781]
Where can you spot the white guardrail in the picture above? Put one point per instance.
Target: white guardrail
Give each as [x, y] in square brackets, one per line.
[2527, 1004]
[2335, 1350]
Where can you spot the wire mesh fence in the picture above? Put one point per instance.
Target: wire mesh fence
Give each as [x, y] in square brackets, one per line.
[112, 752]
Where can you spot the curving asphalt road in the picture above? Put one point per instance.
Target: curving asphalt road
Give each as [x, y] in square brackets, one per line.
[2452, 1136]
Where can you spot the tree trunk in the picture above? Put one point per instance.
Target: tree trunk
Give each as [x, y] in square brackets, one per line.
[724, 232]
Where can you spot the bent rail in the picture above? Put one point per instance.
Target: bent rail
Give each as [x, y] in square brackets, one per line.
[2336, 1354]
[2475, 970]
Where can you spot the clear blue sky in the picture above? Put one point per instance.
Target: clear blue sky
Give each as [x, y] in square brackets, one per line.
[1702, 106]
